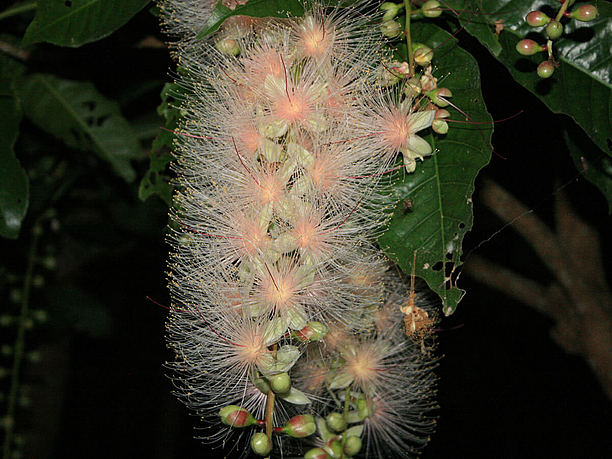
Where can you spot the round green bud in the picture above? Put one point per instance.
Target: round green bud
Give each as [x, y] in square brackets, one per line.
[280, 383]
[229, 46]
[352, 446]
[528, 47]
[391, 29]
[554, 30]
[537, 19]
[261, 444]
[391, 10]
[334, 447]
[335, 421]
[585, 13]
[316, 453]
[431, 9]
[423, 55]
[236, 416]
[546, 69]
[364, 408]
[262, 385]
[300, 426]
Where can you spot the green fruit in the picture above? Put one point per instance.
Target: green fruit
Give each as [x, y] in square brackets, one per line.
[554, 30]
[336, 422]
[528, 47]
[280, 383]
[316, 453]
[431, 9]
[585, 13]
[300, 426]
[546, 69]
[352, 445]
[537, 19]
[236, 416]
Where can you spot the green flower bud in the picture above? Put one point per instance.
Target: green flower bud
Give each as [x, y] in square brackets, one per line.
[391, 29]
[391, 10]
[528, 47]
[431, 9]
[229, 46]
[537, 19]
[316, 453]
[422, 55]
[554, 30]
[236, 416]
[334, 448]
[439, 95]
[364, 408]
[261, 444]
[280, 383]
[585, 13]
[546, 69]
[352, 446]
[262, 385]
[300, 426]
[313, 331]
[335, 421]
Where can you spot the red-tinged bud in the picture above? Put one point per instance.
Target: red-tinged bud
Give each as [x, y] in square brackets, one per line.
[554, 30]
[313, 331]
[585, 13]
[537, 19]
[300, 426]
[261, 444]
[439, 95]
[236, 416]
[441, 113]
[422, 55]
[439, 126]
[352, 446]
[335, 421]
[546, 69]
[280, 383]
[431, 9]
[334, 447]
[528, 47]
[316, 453]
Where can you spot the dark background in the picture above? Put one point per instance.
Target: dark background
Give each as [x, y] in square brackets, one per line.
[97, 386]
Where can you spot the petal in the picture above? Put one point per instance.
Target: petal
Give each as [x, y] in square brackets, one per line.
[418, 147]
[421, 120]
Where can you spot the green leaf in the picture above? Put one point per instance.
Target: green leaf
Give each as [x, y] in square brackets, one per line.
[254, 8]
[440, 190]
[14, 185]
[580, 87]
[82, 118]
[76, 22]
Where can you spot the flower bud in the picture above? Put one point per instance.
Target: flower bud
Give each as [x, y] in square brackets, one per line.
[261, 444]
[412, 88]
[554, 30]
[313, 331]
[352, 446]
[262, 385]
[334, 447]
[546, 69]
[438, 96]
[537, 19]
[316, 453]
[391, 29]
[364, 408]
[528, 47]
[439, 125]
[585, 13]
[335, 421]
[280, 383]
[422, 55]
[236, 416]
[228, 46]
[300, 426]
[391, 10]
[431, 9]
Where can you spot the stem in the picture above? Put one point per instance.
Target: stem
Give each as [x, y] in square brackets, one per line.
[270, 404]
[19, 344]
[28, 6]
[408, 38]
[562, 10]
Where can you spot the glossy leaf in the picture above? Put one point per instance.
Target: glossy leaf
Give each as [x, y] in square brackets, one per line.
[77, 22]
[581, 86]
[439, 192]
[81, 117]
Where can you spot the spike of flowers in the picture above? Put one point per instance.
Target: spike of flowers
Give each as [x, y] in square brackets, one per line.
[280, 160]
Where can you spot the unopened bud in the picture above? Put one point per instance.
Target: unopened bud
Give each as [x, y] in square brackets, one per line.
[300, 426]
[352, 446]
[528, 47]
[546, 69]
[554, 30]
[391, 10]
[422, 55]
[313, 331]
[316, 453]
[438, 96]
[364, 408]
[391, 29]
[261, 444]
[236, 416]
[334, 446]
[280, 383]
[229, 46]
[335, 421]
[585, 13]
[537, 19]
[431, 9]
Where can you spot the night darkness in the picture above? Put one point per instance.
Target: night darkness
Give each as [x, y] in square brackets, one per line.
[100, 390]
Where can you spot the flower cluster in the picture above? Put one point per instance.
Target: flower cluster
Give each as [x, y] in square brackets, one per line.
[277, 286]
